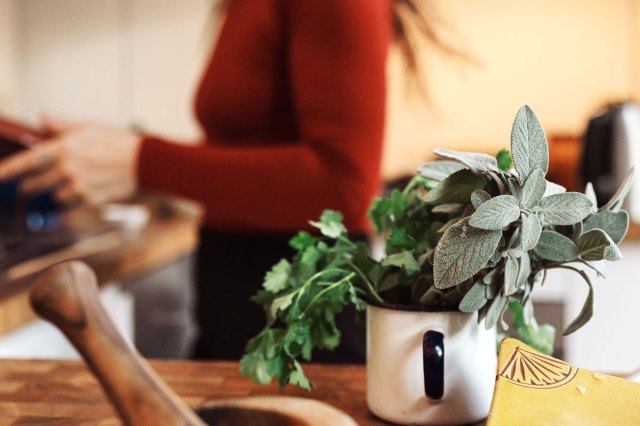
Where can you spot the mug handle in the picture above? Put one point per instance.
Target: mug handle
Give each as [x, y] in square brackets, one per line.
[433, 364]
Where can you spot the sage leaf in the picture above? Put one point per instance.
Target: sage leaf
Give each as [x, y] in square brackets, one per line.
[496, 213]
[456, 188]
[587, 309]
[439, 170]
[565, 209]
[478, 197]
[494, 288]
[389, 281]
[446, 226]
[510, 275]
[555, 246]
[462, 251]
[530, 231]
[477, 162]
[448, 208]
[616, 200]
[528, 144]
[591, 195]
[515, 238]
[533, 189]
[597, 245]
[524, 270]
[495, 311]
[615, 224]
[488, 278]
[514, 187]
[553, 189]
[474, 299]
[404, 260]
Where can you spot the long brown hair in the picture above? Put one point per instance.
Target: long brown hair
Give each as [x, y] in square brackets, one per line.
[416, 21]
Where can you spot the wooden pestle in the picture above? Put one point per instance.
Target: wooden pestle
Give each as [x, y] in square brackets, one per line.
[67, 295]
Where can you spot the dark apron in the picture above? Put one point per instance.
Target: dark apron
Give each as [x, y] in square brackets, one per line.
[230, 269]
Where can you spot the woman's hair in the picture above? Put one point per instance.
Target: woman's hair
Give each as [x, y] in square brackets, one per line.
[414, 21]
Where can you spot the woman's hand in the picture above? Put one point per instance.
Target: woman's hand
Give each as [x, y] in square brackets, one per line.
[87, 162]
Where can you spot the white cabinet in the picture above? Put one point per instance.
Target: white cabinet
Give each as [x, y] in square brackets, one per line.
[122, 62]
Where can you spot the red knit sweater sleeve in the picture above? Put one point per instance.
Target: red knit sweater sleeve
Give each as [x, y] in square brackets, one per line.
[336, 72]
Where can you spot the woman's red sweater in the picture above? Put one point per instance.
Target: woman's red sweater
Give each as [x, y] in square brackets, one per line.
[292, 106]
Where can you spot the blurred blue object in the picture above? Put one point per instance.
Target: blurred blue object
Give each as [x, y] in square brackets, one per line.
[27, 214]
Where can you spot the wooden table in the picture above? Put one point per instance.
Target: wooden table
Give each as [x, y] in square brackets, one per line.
[170, 234]
[65, 392]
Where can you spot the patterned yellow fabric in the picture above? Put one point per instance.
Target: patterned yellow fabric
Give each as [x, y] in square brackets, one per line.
[536, 389]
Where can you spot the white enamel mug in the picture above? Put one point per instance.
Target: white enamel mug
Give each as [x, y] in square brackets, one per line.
[429, 368]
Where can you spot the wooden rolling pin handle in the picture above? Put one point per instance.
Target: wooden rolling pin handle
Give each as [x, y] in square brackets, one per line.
[67, 295]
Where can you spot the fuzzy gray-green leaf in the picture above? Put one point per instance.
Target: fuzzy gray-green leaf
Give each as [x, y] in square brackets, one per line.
[456, 188]
[533, 189]
[478, 197]
[477, 162]
[615, 224]
[553, 189]
[597, 245]
[587, 310]
[440, 170]
[462, 251]
[496, 213]
[510, 275]
[530, 231]
[495, 311]
[448, 208]
[474, 299]
[524, 270]
[555, 246]
[566, 208]
[528, 144]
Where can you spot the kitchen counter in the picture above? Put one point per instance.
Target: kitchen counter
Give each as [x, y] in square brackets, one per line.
[170, 234]
[65, 392]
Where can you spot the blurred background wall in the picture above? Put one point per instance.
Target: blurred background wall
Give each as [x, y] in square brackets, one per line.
[563, 58]
[136, 62]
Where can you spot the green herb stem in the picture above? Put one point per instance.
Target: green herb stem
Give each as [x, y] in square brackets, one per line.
[326, 290]
[369, 285]
[309, 281]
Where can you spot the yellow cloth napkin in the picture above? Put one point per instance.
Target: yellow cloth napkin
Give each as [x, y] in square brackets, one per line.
[536, 389]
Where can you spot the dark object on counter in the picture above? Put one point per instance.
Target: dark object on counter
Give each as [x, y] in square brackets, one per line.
[66, 294]
[26, 223]
[606, 152]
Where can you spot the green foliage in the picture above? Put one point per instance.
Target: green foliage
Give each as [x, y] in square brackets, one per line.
[469, 232]
[504, 160]
[540, 336]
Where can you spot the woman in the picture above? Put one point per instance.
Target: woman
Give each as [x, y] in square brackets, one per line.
[292, 105]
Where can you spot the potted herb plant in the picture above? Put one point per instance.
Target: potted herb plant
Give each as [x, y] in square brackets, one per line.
[468, 239]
